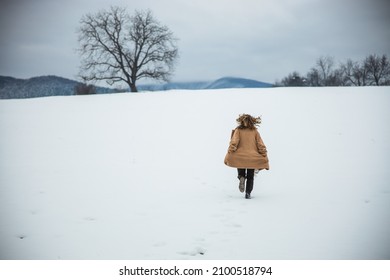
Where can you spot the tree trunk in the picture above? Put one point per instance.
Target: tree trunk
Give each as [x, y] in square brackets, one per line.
[133, 88]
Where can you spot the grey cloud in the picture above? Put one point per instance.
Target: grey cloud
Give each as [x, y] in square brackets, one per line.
[263, 40]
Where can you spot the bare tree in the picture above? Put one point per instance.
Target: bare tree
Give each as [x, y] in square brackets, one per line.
[325, 70]
[324, 74]
[373, 70]
[313, 78]
[117, 47]
[83, 89]
[354, 73]
[378, 69]
[294, 79]
[320, 74]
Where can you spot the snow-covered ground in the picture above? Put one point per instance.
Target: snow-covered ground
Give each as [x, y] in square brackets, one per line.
[141, 176]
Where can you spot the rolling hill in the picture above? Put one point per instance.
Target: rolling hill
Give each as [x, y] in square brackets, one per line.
[12, 88]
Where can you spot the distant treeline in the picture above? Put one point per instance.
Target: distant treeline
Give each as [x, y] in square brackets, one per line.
[374, 70]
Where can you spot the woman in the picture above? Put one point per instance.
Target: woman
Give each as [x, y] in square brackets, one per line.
[247, 152]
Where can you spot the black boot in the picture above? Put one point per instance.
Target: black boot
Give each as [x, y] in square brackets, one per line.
[247, 195]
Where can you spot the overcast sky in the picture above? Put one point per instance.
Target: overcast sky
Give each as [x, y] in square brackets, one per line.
[258, 39]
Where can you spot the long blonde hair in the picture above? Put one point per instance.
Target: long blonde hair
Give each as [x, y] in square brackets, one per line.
[247, 121]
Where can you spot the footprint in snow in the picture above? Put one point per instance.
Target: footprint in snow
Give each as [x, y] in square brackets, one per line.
[196, 251]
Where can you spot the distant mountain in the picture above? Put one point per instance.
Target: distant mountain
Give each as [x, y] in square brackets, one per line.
[38, 87]
[226, 82]
[231, 82]
[53, 85]
[169, 86]
[34, 87]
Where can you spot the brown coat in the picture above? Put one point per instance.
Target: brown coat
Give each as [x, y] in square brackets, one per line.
[247, 150]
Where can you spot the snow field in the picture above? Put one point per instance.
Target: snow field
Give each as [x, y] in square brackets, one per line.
[141, 176]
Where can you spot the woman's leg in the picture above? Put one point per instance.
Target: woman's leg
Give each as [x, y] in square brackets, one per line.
[241, 172]
[249, 180]
[241, 177]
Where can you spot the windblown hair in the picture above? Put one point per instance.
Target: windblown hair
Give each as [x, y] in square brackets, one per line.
[247, 121]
